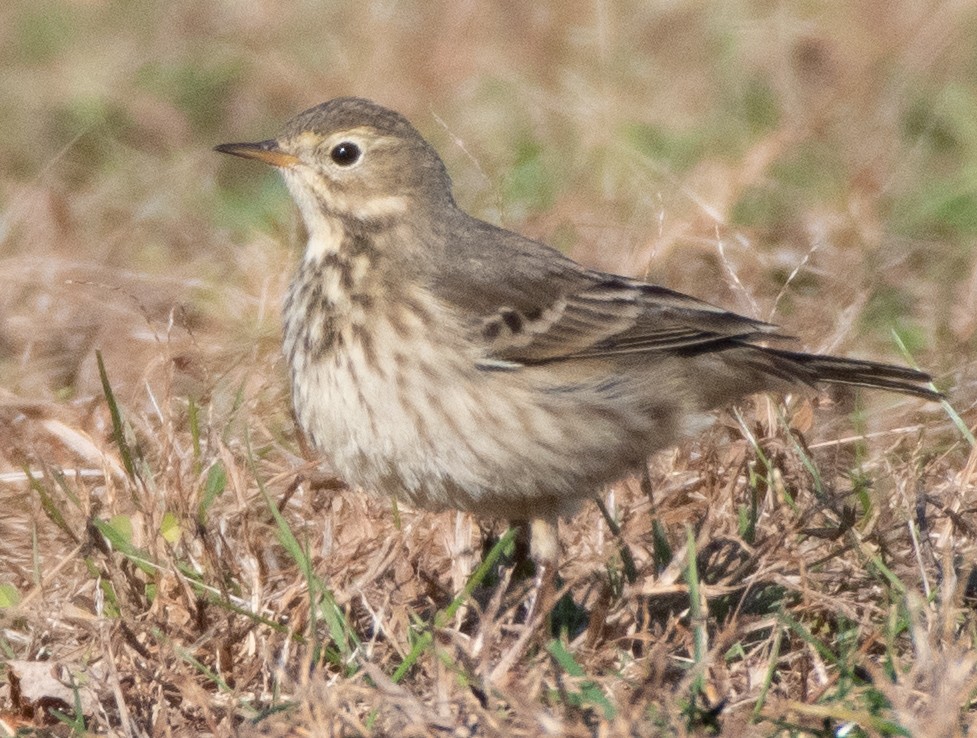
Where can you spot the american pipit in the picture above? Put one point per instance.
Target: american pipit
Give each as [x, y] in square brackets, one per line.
[455, 364]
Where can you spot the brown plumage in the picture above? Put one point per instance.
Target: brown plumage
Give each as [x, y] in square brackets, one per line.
[452, 363]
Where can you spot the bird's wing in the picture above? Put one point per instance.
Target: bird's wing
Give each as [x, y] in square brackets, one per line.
[612, 316]
[528, 304]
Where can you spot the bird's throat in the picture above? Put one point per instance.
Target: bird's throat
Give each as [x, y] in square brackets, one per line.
[325, 237]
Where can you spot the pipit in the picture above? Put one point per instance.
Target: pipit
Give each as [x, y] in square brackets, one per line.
[454, 364]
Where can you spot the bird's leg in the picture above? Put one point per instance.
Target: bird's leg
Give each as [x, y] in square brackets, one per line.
[522, 563]
[544, 545]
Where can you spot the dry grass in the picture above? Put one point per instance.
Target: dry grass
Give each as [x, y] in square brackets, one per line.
[170, 555]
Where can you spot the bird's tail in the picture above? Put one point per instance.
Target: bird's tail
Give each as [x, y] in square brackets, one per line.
[814, 369]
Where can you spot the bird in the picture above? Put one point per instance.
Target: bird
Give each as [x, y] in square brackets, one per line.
[453, 364]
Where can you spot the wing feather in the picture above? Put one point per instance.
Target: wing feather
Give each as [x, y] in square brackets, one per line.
[528, 304]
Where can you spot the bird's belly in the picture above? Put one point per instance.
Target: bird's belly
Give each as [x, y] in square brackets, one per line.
[428, 426]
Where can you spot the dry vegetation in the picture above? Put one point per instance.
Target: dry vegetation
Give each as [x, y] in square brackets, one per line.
[172, 564]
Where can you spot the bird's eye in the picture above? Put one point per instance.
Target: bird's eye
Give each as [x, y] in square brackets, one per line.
[345, 154]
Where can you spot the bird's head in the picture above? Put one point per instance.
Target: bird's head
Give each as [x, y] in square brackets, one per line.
[353, 160]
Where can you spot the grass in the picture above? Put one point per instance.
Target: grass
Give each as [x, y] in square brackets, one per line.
[171, 562]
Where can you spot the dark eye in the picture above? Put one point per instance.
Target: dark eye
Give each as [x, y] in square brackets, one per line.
[345, 154]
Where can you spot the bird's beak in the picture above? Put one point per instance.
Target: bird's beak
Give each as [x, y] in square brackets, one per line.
[267, 151]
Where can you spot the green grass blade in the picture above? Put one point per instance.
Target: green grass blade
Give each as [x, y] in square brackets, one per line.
[118, 430]
[696, 613]
[340, 631]
[771, 671]
[137, 556]
[426, 638]
[947, 407]
[49, 506]
[627, 558]
[213, 488]
[590, 692]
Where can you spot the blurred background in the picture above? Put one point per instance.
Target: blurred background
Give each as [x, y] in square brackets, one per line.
[811, 164]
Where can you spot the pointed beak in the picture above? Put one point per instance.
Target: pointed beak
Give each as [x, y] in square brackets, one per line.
[267, 151]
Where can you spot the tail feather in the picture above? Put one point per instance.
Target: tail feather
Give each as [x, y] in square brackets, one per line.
[814, 368]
